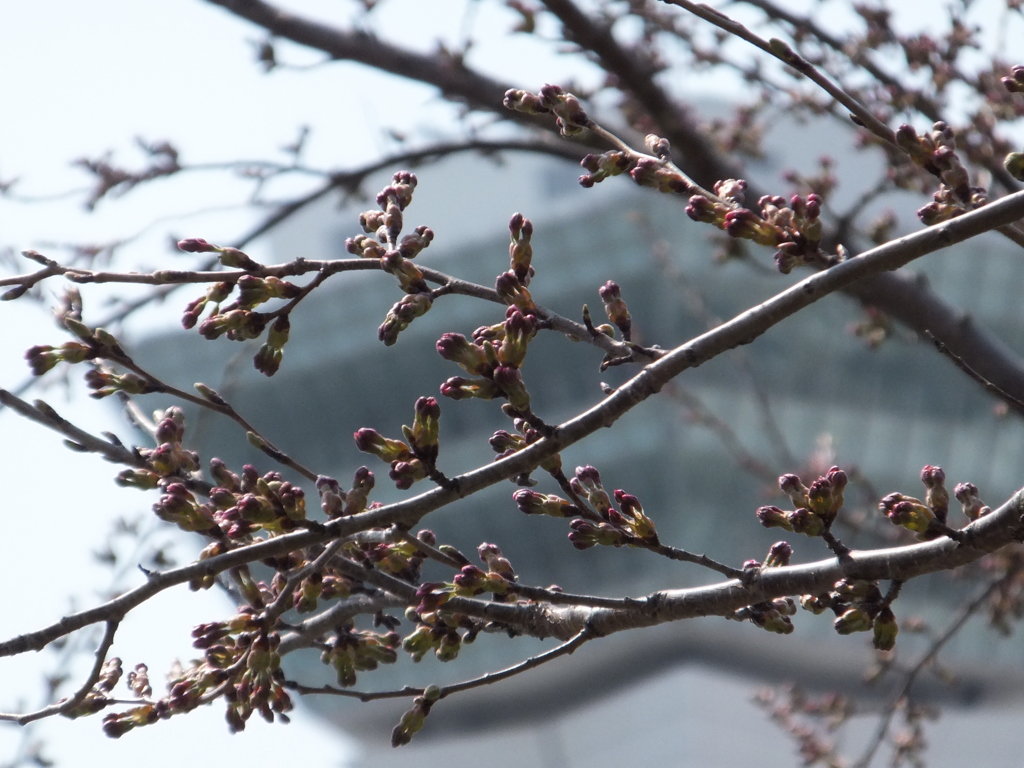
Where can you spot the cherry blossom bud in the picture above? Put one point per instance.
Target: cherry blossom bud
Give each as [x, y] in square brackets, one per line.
[458, 349]
[195, 245]
[886, 630]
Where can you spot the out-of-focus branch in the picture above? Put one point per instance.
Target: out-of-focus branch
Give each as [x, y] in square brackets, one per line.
[963, 615]
[1011, 401]
[450, 75]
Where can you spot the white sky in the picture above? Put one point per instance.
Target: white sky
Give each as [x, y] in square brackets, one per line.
[78, 79]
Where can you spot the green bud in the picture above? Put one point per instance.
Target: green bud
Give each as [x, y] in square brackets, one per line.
[886, 630]
[1014, 165]
[853, 620]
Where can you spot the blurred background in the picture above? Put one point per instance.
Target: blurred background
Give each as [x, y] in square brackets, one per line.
[83, 80]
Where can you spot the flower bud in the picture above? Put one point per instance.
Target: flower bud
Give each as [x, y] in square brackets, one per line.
[458, 349]
[806, 522]
[615, 308]
[519, 330]
[853, 620]
[405, 473]
[886, 630]
[796, 491]
[362, 483]
[649, 172]
[967, 495]
[778, 555]
[458, 388]
[513, 292]
[773, 517]
[510, 381]
[408, 308]
[936, 497]
[533, 503]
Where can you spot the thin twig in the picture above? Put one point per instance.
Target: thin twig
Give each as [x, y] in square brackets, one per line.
[564, 649]
[958, 361]
[66, 705]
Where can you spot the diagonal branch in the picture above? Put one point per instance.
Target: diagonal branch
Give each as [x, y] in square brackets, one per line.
[985, 535]
[455, 81]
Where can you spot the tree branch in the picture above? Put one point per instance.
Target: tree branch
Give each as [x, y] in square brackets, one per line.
[66, 705]
[987, 534]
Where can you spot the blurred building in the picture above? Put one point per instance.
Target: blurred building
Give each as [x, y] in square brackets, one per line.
[806, 391]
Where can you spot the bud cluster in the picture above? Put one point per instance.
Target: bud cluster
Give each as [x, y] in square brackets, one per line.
[319, 586]
[105, 383]
[435, 632]
[215, 295]
[240, 662]
[412, 721]
[401, 558]
[659, 175]
[398, 318]
[615, 308]
[520, 251]
[471, 580]
[238, 320]
[772, 616]
[626, 525]
[92, 344]
[414, 458]
[236, 324]
[247, 649]
[383, 228]
[946, 204]
[972, 505]
[859, 606]
[779, 555]
[935, 151]
[168, 459]
[1015, 82]
[816, 506]
[925, 518]
[238, 507]
[355, 650]
[268, 358]
[42, 358]
[601, 167]
[506, 443]
[493, 358]
[533, 503]
[569, 114]
[793, 227]
[98, 697]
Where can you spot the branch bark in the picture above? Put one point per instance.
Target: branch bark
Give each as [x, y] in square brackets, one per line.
[901, 298]
[987, 534]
